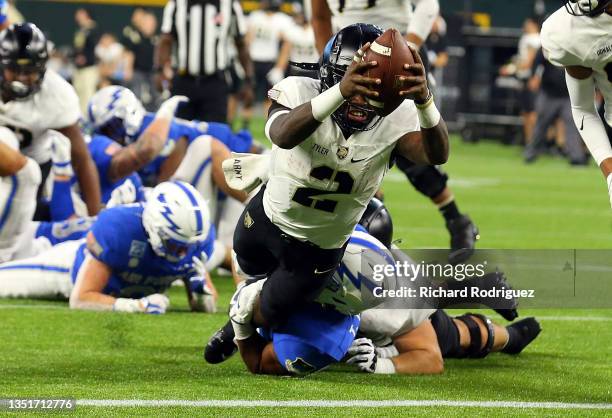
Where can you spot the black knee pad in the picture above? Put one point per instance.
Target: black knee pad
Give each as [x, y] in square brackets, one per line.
[427, 179]
[447, 333]
[474, 350]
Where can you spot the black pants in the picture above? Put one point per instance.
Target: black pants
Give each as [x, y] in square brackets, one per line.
[207, 97]
[296, 271]
[43, 212]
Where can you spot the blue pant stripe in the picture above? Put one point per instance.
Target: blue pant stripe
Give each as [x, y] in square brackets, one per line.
[41, 267]
[7, 209]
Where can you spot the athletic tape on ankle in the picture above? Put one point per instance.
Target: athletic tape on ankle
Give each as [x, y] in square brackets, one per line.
[326, 103]
[429, 116]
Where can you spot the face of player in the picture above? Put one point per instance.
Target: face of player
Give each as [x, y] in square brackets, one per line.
[21, 80]
[359, 112]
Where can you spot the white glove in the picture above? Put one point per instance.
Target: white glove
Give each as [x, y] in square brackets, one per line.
[168, 107]
[61, 154]
[610, 187]
[152, 304]
[363, 354]
[241, 308]
[275, 76]
[122, 195]
[155, 304]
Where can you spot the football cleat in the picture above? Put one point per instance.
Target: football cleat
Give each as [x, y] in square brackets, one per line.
[521, 334]
[464, 235]
[221, 345]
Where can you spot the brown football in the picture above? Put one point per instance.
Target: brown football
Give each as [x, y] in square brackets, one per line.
[391, 51]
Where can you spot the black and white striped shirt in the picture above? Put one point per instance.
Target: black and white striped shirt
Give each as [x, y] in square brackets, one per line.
[202, 29]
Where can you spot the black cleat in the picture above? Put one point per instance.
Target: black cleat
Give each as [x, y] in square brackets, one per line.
[464, 235]
[505, 307]
[221, 345]
[521, 334]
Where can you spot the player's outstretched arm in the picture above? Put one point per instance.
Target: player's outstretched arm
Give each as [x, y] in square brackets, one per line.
[84, 168]
[220, 153]
[11, 161]
[287, 128]
[150, 143]
[419, 352]
[581, 87]
[429, 145]
[321, 23]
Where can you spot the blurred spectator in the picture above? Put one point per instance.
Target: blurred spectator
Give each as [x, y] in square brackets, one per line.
[266, 34]
[437, 45]
[4, 11]
[60, 62]
[301, 40]
[139, 39]
[86, 38]
[528, 46]
[552, 103]
[111, 64]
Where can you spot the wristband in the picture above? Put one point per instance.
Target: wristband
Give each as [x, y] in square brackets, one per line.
[387, 352]
[127, 305]
[384, 366]
[326, 103]
[428, 113]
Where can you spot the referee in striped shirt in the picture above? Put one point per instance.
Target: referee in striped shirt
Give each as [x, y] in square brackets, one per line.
[199, 31]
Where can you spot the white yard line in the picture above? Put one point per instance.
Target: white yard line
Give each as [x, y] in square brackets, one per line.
[335, 404]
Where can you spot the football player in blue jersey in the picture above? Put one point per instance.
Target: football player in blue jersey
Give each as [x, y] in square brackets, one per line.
[118, 114]
[130, 257]
[192, 152]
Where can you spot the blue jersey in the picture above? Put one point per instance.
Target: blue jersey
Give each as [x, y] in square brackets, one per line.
[313, 338]
[118, 239]
[190, 130]
[102, 149]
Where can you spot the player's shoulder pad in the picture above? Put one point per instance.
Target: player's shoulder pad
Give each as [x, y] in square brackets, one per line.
[115, 228]
[294, 91]
[59, 101]
[557, 39]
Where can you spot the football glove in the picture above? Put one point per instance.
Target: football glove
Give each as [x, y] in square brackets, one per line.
[155, 304]
[363, 354]
[203, 295]
[168, 108]
[241, 308]
[60, 154]
[122, 195]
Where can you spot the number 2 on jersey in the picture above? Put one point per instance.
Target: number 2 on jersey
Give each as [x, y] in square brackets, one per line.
[308, 196]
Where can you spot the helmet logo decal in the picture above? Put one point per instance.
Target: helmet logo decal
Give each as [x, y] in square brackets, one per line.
[116, 96]
[167, 212]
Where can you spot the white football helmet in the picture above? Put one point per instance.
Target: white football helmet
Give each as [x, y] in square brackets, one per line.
[175, 217]
[350, 290]
[115, 111]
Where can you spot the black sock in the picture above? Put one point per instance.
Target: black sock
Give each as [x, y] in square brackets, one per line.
[450, 211]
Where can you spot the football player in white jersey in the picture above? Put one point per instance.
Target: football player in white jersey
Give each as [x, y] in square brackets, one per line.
[331, 151]
[35, 99]
[431, 181]
[579, 38]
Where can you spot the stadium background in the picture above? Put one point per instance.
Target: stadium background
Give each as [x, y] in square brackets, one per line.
[46, 350]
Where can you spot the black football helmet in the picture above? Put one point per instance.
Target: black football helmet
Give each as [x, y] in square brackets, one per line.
[23, 49]
[377, 221]
[591, 8]
[337, 56]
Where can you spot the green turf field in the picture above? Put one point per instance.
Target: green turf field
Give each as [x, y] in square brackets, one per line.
[46, 350]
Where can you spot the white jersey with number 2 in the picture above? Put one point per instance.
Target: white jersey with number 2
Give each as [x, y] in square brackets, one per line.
[318, 190]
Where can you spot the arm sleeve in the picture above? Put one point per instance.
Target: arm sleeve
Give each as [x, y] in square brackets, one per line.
[587, 119]
[423, 17]
[168, 18]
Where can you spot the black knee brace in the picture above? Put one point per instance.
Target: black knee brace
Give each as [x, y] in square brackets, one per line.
[447, 333]
[427, 179]
[474, 350]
